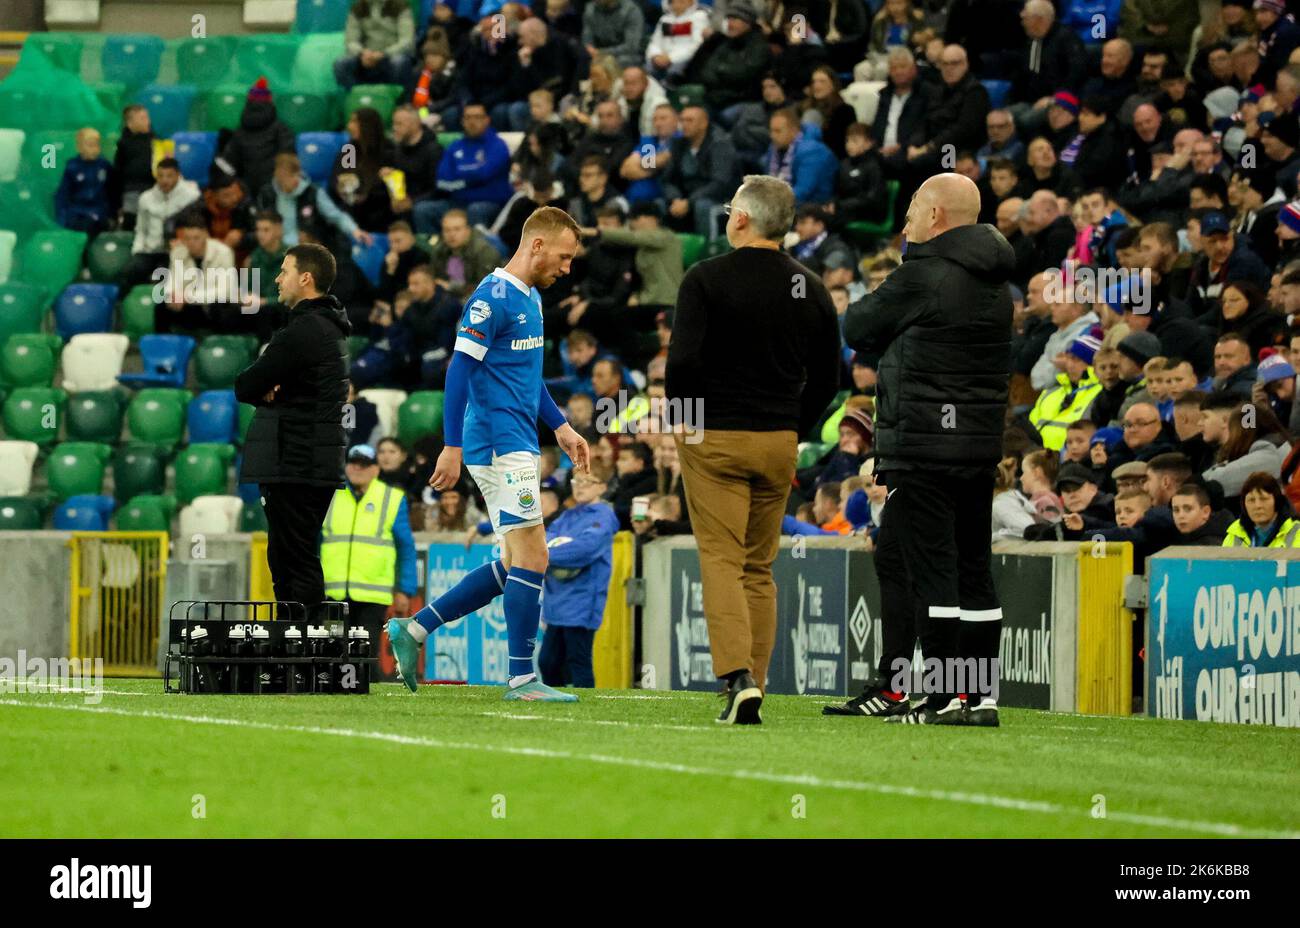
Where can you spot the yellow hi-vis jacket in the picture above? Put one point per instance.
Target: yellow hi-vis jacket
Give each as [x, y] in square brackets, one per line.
[1286, 536]
[1065, 403]
[358, 555]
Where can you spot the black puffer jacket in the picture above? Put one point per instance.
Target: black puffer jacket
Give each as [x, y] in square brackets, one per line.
[298, 436]
[252, 147]
[941, 325]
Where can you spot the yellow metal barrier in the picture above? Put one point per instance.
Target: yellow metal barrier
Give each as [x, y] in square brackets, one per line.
[1105, 631]
[118, 583]
[260, 587]
[611, 650]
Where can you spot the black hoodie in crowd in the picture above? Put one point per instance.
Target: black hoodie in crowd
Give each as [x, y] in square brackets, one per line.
[133, 165]
[941, 325]
[298, 436]
[1212, 533]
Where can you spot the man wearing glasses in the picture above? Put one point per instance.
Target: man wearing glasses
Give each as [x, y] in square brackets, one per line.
[1145, 436]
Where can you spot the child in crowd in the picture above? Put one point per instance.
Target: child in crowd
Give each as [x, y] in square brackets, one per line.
[83, 201]
[133, 162]
[1130, 507]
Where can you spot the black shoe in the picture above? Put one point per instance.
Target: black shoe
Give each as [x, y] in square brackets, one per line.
[874, 701]
[952, 714]
[743, 701]
[985, 715]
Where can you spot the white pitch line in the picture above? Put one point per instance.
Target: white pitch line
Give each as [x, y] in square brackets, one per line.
[519, 716]
[59, 688]
[805, 780]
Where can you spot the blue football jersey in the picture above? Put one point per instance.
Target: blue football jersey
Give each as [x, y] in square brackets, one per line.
[501, 326]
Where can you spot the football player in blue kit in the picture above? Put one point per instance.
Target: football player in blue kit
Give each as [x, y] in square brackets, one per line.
[494, 396]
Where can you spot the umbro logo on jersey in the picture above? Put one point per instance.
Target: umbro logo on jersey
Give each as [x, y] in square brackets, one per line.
[524, 344]
[478, 311]
[523, 317]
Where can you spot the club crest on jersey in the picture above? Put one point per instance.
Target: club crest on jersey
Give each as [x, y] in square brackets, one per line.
[526, 499]
[478, 311]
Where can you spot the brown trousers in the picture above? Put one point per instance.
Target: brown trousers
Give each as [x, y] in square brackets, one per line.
[736, 489]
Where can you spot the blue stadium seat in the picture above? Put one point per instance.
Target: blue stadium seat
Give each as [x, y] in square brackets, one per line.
[165, 359]
[83, 308]
[371, 260]
[195, 151]
[250, 493]
[317, 151]
[83, 514]
[213, 416]
[998, 91]
[321, 16]
[132, 59]
[169, 108]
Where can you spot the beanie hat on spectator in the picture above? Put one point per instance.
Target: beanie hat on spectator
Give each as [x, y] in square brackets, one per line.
[860, 422]
[1289, 216]
[260, 92]
[857, 509]
[1253, 93]
[1066, 101]
[1107, 436]
[1214, 223]
[1262, 182]
[1273, 6]
[744, 10]
[1284, 128]
[1086, 345]
[1139, 347]
[1274, 367]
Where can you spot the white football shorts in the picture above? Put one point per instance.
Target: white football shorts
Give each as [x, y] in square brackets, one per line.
[511, 489]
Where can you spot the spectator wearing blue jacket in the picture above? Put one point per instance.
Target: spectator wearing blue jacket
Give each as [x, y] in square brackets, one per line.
[475, 171]
[580, 544]
[83, 201]
[798, 157]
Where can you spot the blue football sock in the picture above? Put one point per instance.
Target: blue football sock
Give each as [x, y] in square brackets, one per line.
[476, 589]
[523, 612]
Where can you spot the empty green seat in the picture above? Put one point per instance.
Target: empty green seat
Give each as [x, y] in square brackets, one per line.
[221, 108]
[203, 470]
[313, 68]
[35, 414]
[138, 467]
[53, 258]
[380, 97]
[246, 413]
[252, 518]
[419, 416]
[692, 247]
[809, 454]
[146, 513]
[112, 95]
[109, 255]
[96, 415]
[45, 155]
[305, 111]
[863, 233]
[18, 513]
[204, 62]
[157, 415]
[446, 138]
[26, 208]
[76, 468]
[220, 358]
[22, 308]
[29, 360]
[61, 49]
[137, 311]
[267, 55]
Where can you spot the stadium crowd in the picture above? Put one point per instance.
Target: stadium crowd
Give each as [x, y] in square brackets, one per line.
[1141, 160]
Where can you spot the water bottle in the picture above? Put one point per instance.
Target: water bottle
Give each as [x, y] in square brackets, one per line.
[204, 677]
[241, 646]
[261, 636]
[295, 674]
[318, 646]
[359, 652]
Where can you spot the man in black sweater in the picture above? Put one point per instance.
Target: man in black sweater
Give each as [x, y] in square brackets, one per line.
[295, 443]
[753, 364]
[941, 324]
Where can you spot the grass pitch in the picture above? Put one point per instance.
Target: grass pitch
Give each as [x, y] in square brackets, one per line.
[460, 762]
